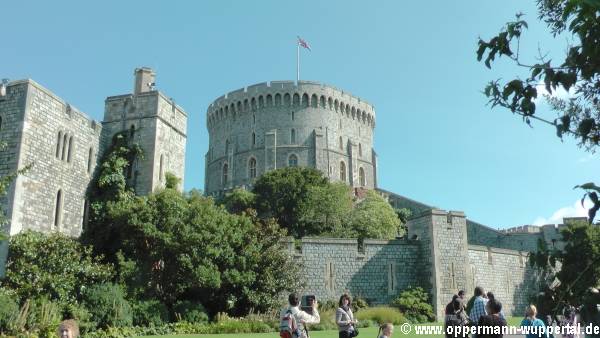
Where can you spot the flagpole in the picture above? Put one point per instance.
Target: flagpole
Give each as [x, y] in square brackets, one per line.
[297, 62]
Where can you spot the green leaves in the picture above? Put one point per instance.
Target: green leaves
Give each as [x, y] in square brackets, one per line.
[580, 69]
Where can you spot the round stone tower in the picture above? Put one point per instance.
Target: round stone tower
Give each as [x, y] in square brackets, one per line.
[280, 123]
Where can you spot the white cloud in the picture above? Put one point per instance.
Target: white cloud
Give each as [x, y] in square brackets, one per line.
[560, 92]
[586, 159]
[576, 210]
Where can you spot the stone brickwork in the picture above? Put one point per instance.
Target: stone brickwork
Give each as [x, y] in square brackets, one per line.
[506, 273]
[281, 123]
[64, 145]
[377, 271]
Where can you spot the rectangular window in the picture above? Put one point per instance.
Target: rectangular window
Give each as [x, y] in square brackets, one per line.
[392, 281]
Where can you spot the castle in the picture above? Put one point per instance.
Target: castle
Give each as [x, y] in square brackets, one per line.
[253, 130]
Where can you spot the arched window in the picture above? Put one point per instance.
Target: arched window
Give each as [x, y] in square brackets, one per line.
[305, 101]
[58, 144]
[58, 209]
[161, 167]
[131, 132]
[361, 177]
[293, 136]
[359, 149]
[253, 118]
[293, 160]
[287, 100]
[293, 115]
[70, 150]
[342, 171]
[64, 147]
[226, 147]
[0, 123]
[252, 168]
[341, 143]
[253, 139]
[296, 99]
[225, 174]
[278, 99]
[90, 160]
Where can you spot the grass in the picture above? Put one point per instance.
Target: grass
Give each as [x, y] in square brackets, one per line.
[364, 332]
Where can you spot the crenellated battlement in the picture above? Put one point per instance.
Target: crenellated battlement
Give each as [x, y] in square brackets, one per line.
[305, 94]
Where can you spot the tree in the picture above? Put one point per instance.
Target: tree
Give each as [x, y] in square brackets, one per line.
[184, 247]
[325, 209]
[374, 217]
[279, 194]
[575, 268]
[579, 70]
[53, 266]
[578, 116]
[239, 200]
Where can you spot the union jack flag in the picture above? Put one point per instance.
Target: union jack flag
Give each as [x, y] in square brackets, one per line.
[303, 43]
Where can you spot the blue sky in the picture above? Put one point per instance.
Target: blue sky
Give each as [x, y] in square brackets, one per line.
[437, 140]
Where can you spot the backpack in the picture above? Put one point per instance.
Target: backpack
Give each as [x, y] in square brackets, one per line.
[288, 328]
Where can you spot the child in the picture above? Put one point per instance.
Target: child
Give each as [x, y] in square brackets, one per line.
[386, 330]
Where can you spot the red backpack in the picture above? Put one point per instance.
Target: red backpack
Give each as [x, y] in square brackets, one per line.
[288, 327]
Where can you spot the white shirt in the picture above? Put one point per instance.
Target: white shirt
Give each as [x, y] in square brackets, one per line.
[302, 317]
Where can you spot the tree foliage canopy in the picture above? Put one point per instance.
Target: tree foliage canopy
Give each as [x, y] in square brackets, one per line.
[579, 70]
[576, 268]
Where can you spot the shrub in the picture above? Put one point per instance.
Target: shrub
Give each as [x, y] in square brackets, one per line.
[40, 317]
[82, 316]
[8, 309]
[150, 313]
[191, 312]
[327, 320]
[54, 266]
[414, 303]
[381, 314]
[107, 305]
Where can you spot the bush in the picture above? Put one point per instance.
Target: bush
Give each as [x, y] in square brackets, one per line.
[150, 313]
[8, 309]
[414, 303]
[381, 314]
[82, 316]
[107, 305]
[327, 320]
[51, 265]
[191, 312]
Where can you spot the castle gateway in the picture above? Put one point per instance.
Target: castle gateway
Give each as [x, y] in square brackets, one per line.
[251, 131]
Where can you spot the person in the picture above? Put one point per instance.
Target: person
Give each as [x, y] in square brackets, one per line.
[538, 328]
[492, 321]
[450, 306]
[68, 329]
[302, 318]
[386, 330]
[569, 320]
[344, 318]
[590, 311]
[462, 295]
[491, 296]
[478, 308]
[457, 319]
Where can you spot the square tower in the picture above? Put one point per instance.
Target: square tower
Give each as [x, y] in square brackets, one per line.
[156, 123]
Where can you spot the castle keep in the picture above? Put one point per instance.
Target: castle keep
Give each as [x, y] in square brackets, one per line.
[251, 131]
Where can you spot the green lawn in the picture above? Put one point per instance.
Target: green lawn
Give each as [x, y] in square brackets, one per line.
[369, 332]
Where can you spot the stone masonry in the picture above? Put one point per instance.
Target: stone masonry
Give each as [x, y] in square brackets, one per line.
[64, 146]
[251, 131]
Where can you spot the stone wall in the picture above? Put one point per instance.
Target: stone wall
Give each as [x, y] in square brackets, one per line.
[270, 122]
[377, 272]
[62, 144]
[506, 274]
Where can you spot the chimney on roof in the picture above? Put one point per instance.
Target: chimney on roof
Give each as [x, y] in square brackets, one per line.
[144, 80]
